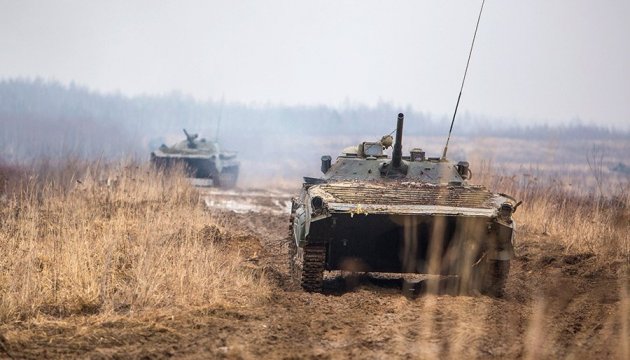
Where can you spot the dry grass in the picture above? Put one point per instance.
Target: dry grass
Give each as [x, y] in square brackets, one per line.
[83, 238]
[579, 217]
[136, 246]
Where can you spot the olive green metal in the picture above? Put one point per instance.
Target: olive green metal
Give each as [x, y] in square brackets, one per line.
[201, 158]
[401, 214]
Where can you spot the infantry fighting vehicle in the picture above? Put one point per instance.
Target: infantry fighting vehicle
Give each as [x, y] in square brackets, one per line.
[202, 159]
[404, 214]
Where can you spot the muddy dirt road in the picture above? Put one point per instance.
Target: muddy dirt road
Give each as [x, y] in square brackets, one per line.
[558, 305]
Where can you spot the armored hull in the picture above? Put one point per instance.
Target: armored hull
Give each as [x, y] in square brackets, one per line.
[408, 215]
[201, 159]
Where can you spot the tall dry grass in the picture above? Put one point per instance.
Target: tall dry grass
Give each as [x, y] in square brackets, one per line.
[582, 218]
[83, 238]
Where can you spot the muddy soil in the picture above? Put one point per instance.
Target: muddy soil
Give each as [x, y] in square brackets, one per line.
[558, 305]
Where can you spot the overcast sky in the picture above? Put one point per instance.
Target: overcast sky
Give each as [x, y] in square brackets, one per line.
[535, 60]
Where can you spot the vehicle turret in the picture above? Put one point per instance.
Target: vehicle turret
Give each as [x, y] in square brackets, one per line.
[190, 139]
[397, 167]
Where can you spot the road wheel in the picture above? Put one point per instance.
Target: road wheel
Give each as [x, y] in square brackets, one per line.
[313, 263]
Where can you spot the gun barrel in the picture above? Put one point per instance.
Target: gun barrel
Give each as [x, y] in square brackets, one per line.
[397, 154]
[190, 139]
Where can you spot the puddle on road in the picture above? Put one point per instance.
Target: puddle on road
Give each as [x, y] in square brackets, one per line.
[245, 201]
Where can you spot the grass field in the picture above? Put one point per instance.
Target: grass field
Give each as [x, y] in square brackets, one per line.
[87, 239]
[117, 260]
[585, 221]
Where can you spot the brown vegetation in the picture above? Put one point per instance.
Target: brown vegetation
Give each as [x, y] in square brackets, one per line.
[121, 261]
[86, 239]
[579, 218]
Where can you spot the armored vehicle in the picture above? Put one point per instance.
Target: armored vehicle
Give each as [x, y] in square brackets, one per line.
[202, 159]
[404, 214]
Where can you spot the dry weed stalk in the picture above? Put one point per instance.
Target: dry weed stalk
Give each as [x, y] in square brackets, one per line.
[98, 239]
[582, 219]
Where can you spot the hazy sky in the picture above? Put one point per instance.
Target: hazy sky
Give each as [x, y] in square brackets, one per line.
[541, 60]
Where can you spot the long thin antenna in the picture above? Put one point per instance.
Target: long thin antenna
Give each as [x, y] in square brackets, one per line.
[216, 133]
[463, 80]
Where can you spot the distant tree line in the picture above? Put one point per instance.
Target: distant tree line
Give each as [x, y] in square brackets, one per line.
[47, 118]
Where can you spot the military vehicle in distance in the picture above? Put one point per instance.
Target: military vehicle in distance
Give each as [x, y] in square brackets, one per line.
[202, 159]
[404, 214]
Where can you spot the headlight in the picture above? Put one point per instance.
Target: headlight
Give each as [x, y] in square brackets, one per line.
[505, 212]
[317, 203]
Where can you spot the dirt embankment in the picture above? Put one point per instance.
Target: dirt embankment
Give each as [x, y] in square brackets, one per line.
[558, 305]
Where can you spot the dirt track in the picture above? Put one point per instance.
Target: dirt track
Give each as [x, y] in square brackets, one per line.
[558, 305]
